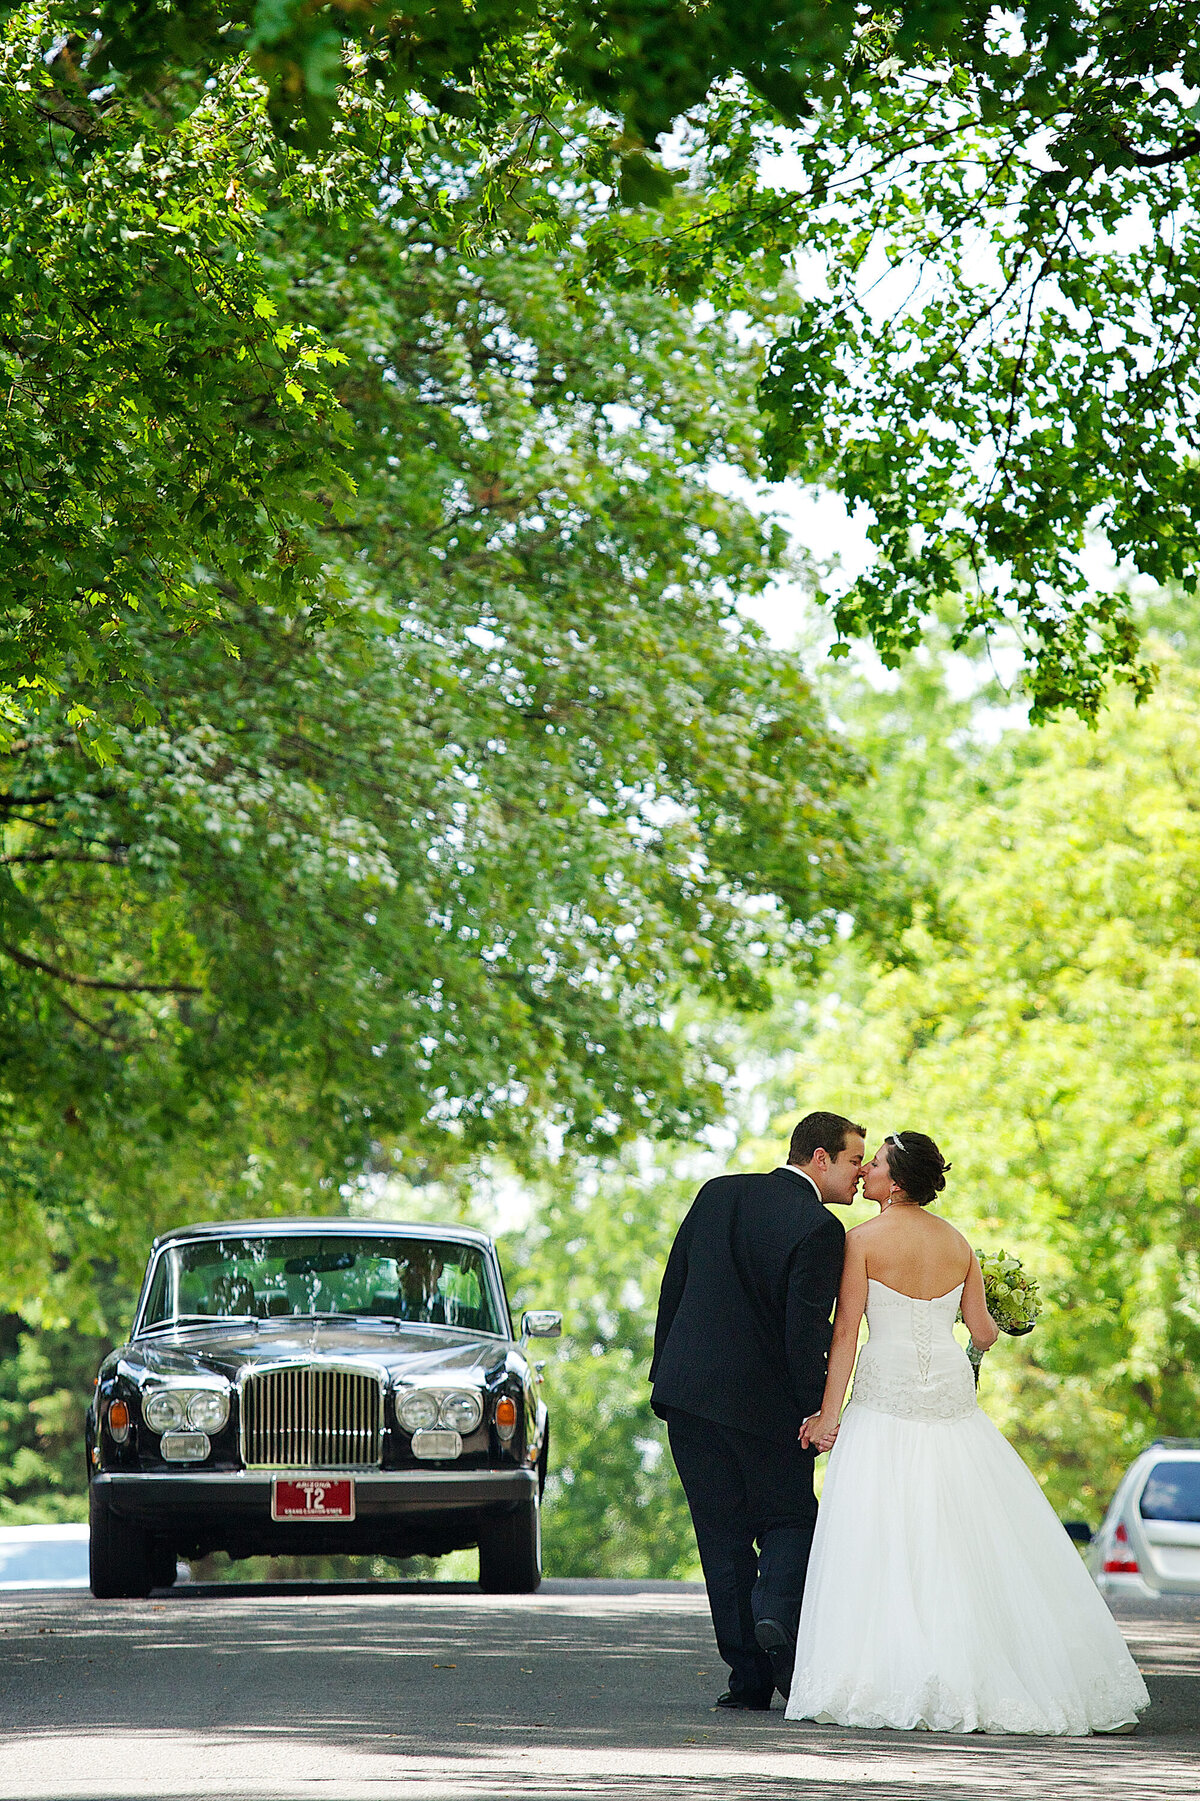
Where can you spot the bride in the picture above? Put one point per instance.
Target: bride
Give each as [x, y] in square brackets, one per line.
[942, 1592]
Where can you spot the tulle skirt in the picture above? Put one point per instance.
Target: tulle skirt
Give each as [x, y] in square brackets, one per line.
[943, 1593]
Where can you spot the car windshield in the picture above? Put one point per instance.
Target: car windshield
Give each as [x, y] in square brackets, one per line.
[431, 1282]
[1172, 1493]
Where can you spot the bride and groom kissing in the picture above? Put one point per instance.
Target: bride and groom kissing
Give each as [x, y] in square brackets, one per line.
[935, 1587]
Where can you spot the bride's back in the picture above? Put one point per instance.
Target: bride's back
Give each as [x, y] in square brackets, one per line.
[914, 1252]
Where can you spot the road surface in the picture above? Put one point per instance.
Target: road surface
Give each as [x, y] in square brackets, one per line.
[587, 1691]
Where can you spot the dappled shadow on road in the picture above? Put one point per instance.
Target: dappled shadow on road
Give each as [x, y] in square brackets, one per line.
[186, 1767]
[440, 1693]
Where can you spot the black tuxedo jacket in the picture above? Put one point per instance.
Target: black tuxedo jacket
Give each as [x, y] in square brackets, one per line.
[743, 1320]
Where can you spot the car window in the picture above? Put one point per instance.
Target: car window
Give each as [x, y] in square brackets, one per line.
[1172, 1492]
[426, 1282]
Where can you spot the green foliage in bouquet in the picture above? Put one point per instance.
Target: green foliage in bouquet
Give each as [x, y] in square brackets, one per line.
[1013, 1299]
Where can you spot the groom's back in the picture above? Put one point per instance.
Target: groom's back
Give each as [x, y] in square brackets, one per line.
[743, 1322]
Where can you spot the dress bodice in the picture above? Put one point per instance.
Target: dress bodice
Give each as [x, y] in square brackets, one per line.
[912, 1365]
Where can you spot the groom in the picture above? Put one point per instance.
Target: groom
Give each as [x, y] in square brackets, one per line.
[739, 1364]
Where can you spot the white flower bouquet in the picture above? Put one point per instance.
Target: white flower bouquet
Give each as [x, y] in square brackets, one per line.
[1013, 1299]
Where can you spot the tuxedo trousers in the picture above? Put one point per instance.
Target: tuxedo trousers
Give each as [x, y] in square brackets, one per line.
[753, 1512]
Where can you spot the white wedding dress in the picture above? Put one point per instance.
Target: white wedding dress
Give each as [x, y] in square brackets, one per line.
[942, 1591]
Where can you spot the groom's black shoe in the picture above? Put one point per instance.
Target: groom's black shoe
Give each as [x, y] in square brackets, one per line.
[780, 1648]
[749, 1700]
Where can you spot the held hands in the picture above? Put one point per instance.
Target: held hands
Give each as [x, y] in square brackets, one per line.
[819, 1429]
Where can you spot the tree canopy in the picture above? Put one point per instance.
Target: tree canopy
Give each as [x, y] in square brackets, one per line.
[432, 872]
[994, 353]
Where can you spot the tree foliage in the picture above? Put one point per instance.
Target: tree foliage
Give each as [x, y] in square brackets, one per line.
[993, 355]
[430, 873]
[595, 1248]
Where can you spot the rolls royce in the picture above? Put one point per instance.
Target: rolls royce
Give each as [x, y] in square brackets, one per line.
[308, 1386]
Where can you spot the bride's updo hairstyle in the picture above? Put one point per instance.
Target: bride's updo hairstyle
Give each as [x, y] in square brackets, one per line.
[916, 1164]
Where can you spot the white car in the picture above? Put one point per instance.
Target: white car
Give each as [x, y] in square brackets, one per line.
[1149, 1541]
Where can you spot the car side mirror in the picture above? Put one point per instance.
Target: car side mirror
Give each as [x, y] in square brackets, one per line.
[541, 1325]
[1079, 1530]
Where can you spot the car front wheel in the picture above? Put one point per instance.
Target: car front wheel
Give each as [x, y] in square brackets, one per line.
[121, 1555]
[510, 1551]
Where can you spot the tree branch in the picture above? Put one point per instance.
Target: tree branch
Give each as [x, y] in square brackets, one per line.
[65, 975]
[1188, 147]
[53, 104]
[93, 1025]
[54, 856]
[10, 802]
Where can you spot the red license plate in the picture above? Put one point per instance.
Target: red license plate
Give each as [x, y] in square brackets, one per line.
[312, 1498]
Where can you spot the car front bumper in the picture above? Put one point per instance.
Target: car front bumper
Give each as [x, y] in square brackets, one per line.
[207, 1500]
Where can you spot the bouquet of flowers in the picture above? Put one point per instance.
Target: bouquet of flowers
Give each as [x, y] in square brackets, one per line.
[1012, 1298]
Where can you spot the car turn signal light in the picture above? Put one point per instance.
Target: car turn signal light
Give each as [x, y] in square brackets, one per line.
[118, 1422]
[1119, 1565]
[506, 1417]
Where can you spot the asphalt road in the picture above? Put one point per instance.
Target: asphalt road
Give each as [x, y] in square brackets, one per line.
[587, 1691]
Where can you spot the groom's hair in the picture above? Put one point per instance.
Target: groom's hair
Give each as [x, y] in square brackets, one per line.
[822, 1132]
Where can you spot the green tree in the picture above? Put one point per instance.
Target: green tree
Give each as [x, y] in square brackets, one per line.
[427, 874]
[1022, 377]
[596, 1248]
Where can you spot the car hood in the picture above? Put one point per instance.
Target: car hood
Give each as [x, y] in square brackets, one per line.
[407, 1353]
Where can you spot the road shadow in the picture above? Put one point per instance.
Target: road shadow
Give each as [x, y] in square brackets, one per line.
[584, 1692]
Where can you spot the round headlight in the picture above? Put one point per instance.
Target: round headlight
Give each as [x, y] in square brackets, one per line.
[463, 1411]
[163, 1411]
[208, 1411]
[417, 1410]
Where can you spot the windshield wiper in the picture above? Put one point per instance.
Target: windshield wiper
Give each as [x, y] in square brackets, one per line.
[203, 1319]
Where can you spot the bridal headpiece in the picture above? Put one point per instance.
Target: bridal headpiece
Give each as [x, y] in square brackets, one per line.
[895, 1138]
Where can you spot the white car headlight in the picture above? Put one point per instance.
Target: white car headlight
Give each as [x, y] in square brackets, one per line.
[417, 1410]
[175, 1409]
[208, 1410]
[164, 1410]
[462, 1410]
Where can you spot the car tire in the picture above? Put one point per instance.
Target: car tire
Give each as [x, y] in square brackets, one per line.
[164, 1564]
[510, 1551]
[120, 1555]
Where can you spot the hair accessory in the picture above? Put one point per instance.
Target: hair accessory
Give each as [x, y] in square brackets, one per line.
[894, 1138]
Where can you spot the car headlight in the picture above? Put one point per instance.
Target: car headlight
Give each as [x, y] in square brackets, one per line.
[174, 1409]
[417, 1410]
[164, 1410]
[462, 1410]
[208, 1410]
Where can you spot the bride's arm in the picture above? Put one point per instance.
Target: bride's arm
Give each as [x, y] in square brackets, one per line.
[979, 1322]
[821, 1429]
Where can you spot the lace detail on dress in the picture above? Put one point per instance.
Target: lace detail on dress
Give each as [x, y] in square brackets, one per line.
[1104, 1702]
[912, 1365]
[944, 1398]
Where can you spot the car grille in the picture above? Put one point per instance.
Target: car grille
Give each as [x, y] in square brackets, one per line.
[312, 1418]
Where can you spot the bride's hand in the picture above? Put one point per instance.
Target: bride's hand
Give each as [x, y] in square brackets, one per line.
[819, 1431]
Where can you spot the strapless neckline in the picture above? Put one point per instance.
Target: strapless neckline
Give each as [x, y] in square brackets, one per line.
[917, 1297]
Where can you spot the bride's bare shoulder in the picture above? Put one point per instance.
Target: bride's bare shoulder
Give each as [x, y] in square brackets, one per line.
[951, 1232]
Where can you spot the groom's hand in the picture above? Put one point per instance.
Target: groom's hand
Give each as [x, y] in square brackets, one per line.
[818, 1432]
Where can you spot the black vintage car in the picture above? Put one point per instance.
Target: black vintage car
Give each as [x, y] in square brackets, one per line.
[309, 1386]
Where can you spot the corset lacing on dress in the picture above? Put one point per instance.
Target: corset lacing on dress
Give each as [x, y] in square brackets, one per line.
[912, 1365]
